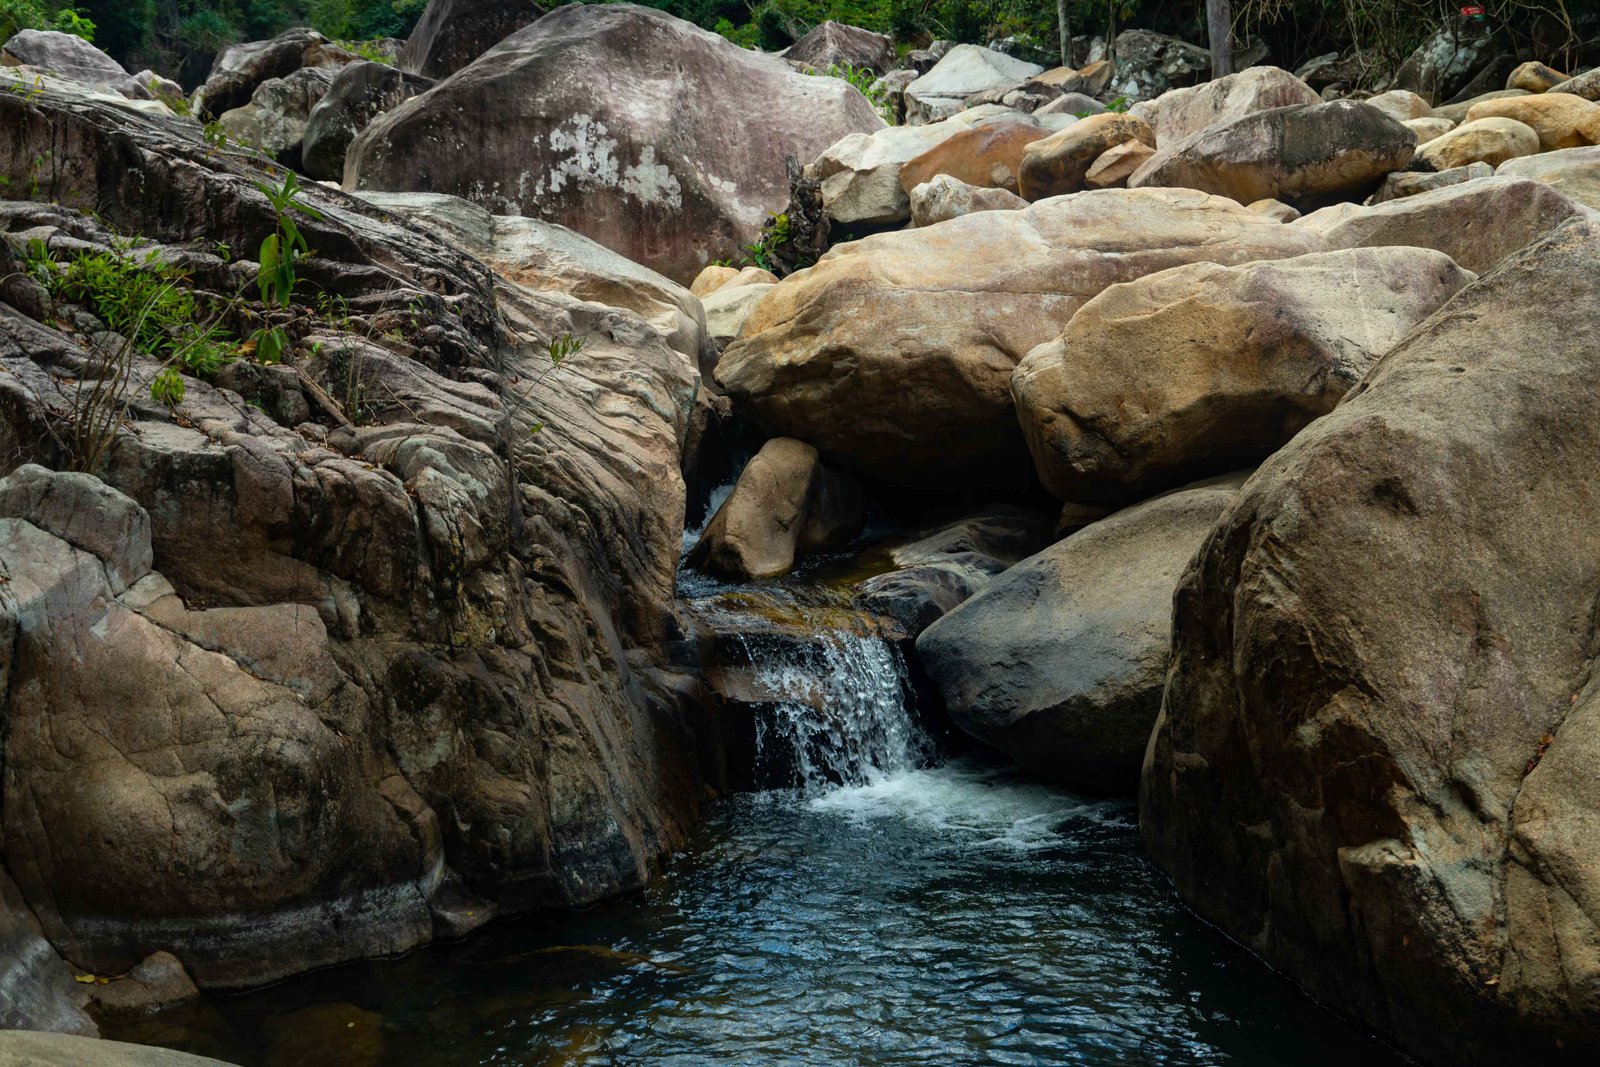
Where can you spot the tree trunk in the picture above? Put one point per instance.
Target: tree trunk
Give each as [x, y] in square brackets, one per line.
[1219, 21]
[1065, 26]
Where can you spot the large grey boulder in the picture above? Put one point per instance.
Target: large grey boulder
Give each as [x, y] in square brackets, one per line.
[1304, 155]
[1150, 63]
[837, 44]
[452, 33]
[1449, 60]
[965, 70]
[275, 119]
[239, 69]
[360, 93]
[1375, 764]
[668, 179]
[1205, 368]
[400, 668]
[1061, 660]
[69, 56]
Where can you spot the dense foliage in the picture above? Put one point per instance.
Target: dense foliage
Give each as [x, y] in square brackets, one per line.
[180, 36]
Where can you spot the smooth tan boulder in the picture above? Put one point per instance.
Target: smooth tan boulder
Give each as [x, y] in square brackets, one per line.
[987, 156]
[1057, 164]
[860, 173]
[1274, 209]
[1116, 165]
[1535, 77]
[1205, 368]
[1324, 219]
[1185, 112]
[1457, 112]
[1428, 129]
[1491, 141]
[784, 505]
[1574, 172]
[711, 279]
[1375, 763]
[944, 198]
[1302, 155]
[893, 354]
[1477, 223]
[1560, 119]
[729, 307]
[1400, 105]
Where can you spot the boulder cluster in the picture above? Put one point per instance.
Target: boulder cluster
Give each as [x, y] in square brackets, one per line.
[1246, 426]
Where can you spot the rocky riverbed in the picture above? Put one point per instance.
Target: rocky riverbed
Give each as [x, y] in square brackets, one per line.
[431, 491]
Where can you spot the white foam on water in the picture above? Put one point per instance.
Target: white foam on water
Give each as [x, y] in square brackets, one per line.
[984, 806]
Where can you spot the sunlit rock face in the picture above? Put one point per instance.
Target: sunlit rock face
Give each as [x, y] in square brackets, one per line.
[658, 139]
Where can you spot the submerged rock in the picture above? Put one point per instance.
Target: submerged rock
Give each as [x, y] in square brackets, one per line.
[667, 179]
[1061, 660]
[1375, 762]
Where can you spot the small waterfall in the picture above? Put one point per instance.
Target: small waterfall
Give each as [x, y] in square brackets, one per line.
[829, 693]
[843, 714]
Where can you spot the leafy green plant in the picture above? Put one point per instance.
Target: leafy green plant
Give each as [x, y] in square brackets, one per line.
[280, 254]
[143, 298]
[18, 15]
[368, 50]
[774, 233]
[868, 85]
[177, 102]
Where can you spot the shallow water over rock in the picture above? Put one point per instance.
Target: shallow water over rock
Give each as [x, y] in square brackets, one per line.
[957, 914]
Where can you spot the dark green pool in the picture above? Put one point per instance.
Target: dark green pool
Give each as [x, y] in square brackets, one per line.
[955, 915]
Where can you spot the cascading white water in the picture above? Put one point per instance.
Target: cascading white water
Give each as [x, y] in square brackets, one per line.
[840, 709]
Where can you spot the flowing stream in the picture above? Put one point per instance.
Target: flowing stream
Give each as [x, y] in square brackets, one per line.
[884, 909]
